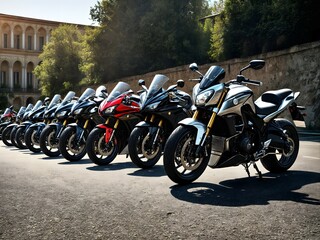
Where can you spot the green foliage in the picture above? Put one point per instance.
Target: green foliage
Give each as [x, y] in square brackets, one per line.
[3, 101]
[254, 26]
[59, 69]
[141, 36]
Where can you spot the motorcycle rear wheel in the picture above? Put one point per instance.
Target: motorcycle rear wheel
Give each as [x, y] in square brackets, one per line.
[140, 155]
[100, 152]
[48, 142]
[68, 146]
[32, 140]
[281, 161]
[179, 159]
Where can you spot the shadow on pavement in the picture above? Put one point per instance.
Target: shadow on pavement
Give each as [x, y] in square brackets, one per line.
[155, 171]
[113, 166]
[82, 161]
[250, 191]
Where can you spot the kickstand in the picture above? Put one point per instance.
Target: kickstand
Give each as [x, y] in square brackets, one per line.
[246, 167]
[257, 169]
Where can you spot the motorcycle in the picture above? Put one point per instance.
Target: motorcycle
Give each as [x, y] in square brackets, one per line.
[162, 110]
[121, 112]
[32, 135]
[72, 143]
[9, 132]
[230, 129]
[49, 137]
[7, 118]
[35, 115]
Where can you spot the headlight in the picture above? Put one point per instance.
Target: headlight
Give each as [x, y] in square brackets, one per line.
[202, 98]
[109, 110]
[93, 110]
[78, 111]
[61, 114]
[152, 106]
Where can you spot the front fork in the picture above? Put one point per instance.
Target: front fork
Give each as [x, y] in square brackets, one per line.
[110, 132]
[211, 121]
[158, 129]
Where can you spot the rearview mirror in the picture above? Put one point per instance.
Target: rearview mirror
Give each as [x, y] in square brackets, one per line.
[257, 64]
[180, 83]
[193, 67]
[141, 82]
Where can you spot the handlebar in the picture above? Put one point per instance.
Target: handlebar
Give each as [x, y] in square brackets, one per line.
[253, 82]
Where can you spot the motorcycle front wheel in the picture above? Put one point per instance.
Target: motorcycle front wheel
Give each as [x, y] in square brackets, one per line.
[31, 139]
[144, 153]
[179, 160]
[69, 146]
[13, 137]
[6, 136]
[48, 141]
[19, 138]
[99, 151]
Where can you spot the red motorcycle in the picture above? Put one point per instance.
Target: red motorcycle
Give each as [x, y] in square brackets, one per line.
[121, 111]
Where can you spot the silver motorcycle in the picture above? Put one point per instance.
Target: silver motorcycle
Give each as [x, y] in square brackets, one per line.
[229, 128]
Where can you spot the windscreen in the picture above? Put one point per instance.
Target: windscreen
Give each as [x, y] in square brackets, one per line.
[156, 84]
[38, 104]
[22, 110]
[55, 100]
[89, 92]
[101, 91]
[120, 88]
[212, 77]
[68, 98]
[6, 112]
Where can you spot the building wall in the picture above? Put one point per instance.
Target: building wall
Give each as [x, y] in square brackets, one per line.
[297, 68]
[21, 41]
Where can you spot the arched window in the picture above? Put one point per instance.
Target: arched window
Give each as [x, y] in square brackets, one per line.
[17, 74]
[30, 68]
[4, 74]
[17, 37]
[6, 35]
[41, 38]
[29, 38]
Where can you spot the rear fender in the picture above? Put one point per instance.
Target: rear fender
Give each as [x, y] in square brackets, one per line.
[201, 128]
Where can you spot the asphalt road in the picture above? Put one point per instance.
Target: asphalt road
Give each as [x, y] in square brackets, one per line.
[51, 198]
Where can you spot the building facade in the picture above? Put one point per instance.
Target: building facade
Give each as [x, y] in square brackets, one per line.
[21, 41]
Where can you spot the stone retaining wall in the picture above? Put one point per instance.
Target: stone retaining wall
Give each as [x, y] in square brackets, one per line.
[297, 68]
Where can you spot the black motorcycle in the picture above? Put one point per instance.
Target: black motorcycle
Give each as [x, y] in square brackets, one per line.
[9, 132]
[49, 137]
[72, 143]
[32, 135]
[230, 129]
[35, 115]
[162, 110]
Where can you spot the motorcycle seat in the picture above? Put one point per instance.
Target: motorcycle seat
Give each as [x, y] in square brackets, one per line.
[270, 101]
[276, 96]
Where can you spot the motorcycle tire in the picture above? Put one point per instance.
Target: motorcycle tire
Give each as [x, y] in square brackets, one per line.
[6, 136]
[100, 152]
[30, 140]
[141, 157]
[68, 147]
[280, 161]
[180, 164]
[19, 138]
[13, 137]
[48, 142]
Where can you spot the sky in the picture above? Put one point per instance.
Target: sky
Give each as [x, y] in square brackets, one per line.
[70, 11]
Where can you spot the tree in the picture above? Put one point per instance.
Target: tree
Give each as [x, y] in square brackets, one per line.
[141, 36]
[59, 69]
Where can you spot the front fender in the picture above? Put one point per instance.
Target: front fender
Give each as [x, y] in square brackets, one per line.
[143, 124]
[201, 128]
